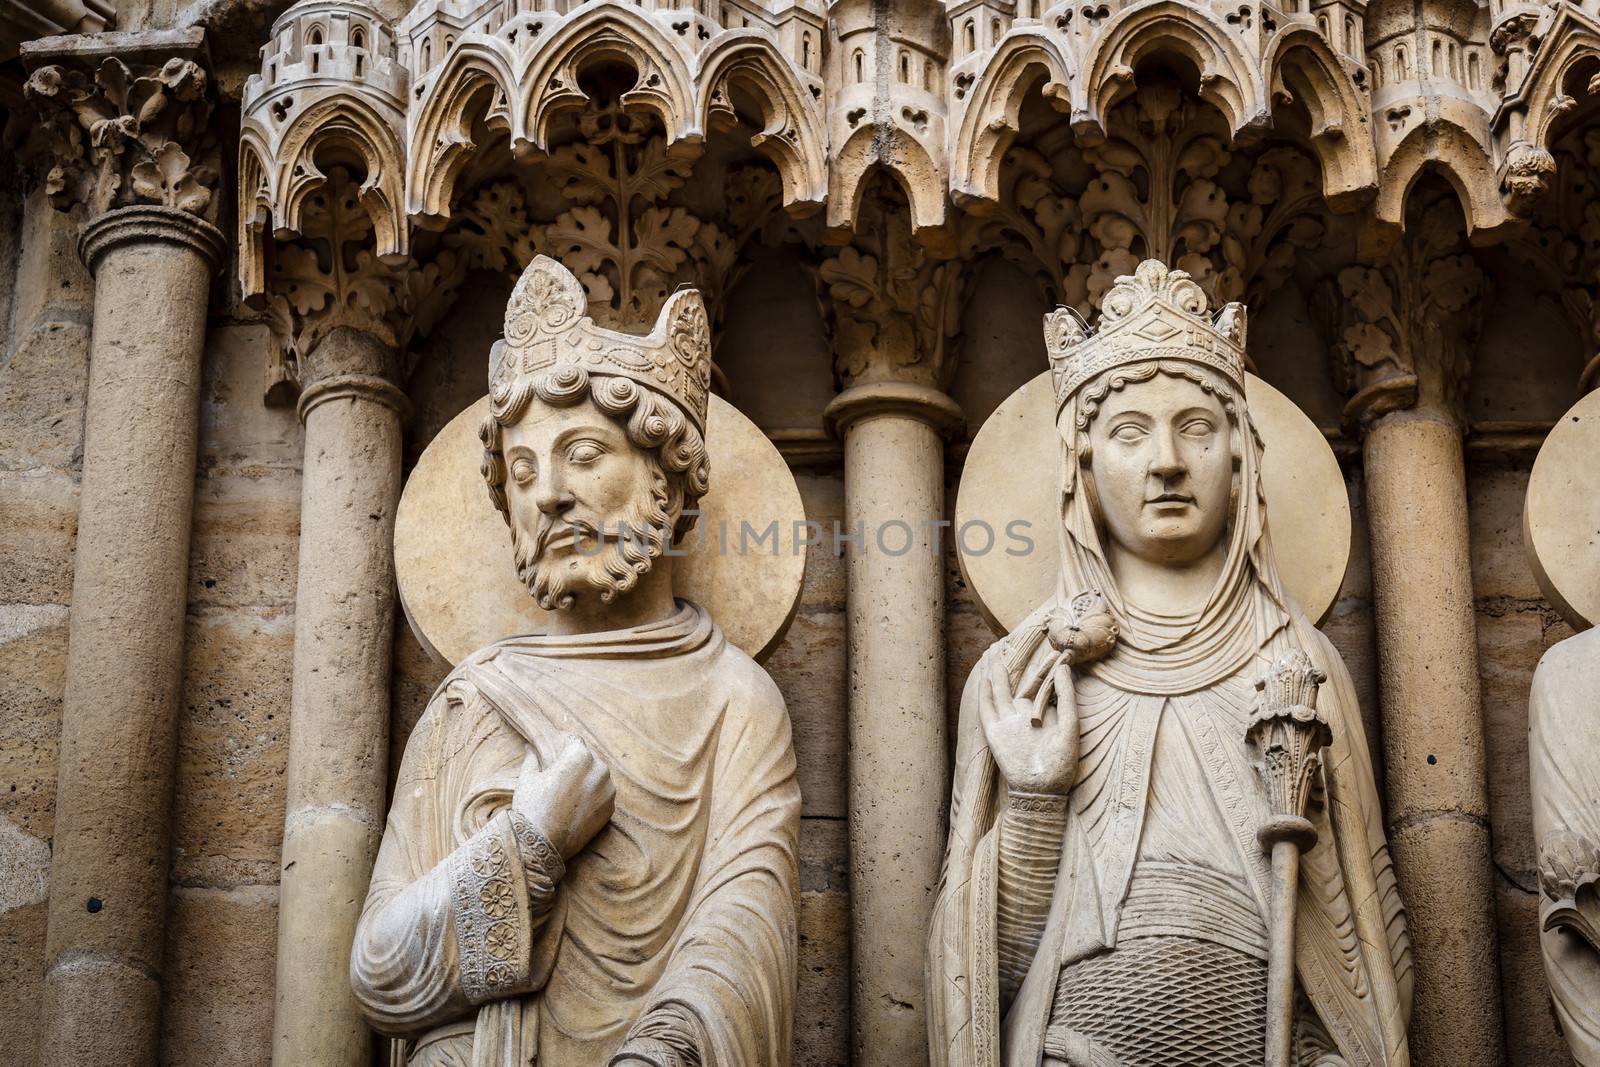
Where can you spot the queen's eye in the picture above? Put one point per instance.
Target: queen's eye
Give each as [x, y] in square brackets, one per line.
[1128, 433]
[585, 452]
[522, 470]
[1198, 428]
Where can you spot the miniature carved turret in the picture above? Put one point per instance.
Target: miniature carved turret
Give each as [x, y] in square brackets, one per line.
[330, 80]
[887, 109]
[327, 43]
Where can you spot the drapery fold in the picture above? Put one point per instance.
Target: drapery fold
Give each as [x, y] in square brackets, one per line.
[1353, 955]
[676, 924]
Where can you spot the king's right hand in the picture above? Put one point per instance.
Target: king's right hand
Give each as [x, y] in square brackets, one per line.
[1033, 759]
[569, 801]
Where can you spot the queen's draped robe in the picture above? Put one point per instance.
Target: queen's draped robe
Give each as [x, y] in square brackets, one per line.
[1127, 921]
[675, 924]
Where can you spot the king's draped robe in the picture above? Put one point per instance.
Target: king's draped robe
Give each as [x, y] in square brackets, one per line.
[676, 922]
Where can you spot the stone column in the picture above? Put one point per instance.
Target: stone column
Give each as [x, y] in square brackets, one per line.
[348, 383]
[339, 719]
[894, 492]
[1408, 325]
[893, 418]
[152, 257]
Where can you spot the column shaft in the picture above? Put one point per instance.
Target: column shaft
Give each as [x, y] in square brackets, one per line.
[339, 721]
[894, 475]
[109, 865]
[1433, 732]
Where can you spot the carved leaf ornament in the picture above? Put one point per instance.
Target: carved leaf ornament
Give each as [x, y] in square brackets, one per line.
[119, 138]
[332, 278]
[628, 243]
[1166, 185]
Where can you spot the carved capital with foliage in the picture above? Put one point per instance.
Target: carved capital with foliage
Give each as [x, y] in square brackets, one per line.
[1403, 329]
[895, 309]
[1563, 244]
[122, 132]
[330, 277]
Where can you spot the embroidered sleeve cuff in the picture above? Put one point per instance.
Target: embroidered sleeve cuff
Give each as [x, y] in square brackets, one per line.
[493, 921]
[541, 863]
[1038, 804]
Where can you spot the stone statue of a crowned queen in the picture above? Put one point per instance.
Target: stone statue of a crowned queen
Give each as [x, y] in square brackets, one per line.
[1106, 899]
[591, 854]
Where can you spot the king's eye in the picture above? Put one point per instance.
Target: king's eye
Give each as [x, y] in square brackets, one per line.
[585, 452]
[522, 470]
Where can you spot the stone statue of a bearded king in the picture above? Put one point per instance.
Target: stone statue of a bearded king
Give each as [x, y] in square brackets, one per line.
[591, 854]
[1105, 899]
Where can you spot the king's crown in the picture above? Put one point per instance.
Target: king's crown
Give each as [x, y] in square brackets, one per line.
[1153, 313]
[547, 328]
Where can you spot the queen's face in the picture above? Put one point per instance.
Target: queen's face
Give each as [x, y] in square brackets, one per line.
[1163, 469]
[572, 479]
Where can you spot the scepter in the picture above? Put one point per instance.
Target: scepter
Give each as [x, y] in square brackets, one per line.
[1287, 734]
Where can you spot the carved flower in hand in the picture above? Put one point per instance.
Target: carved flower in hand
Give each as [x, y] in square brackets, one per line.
[1085, 629]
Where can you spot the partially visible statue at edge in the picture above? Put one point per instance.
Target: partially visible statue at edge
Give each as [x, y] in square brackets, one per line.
[1105, 899]
[591, 854]
[1564, 771]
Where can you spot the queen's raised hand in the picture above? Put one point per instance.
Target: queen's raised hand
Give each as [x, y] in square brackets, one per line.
[1040, 758]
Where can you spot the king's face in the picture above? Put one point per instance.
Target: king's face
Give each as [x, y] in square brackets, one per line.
[1163, 469]
[573, 482]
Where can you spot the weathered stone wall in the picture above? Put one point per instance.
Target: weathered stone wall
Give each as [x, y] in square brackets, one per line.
[43, 375]
[233, 736]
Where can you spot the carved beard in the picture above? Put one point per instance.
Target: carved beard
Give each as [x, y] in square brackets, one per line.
[633, 542]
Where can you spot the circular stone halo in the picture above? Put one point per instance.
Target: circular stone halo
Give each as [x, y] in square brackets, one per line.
[1308, 507]
[1561, 515]
[458, 582]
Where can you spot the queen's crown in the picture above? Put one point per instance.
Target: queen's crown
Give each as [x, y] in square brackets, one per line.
[548, 328]
[1153, 313]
